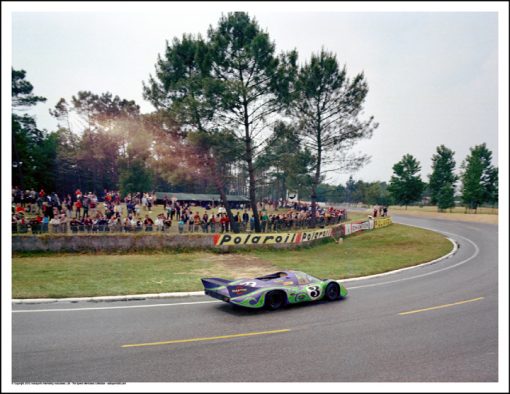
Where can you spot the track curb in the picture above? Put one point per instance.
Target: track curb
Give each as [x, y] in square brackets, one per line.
[135, 297]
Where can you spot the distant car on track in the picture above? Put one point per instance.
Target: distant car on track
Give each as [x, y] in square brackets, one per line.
[274, 290]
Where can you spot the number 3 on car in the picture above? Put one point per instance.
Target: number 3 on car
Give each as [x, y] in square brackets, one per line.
[314, 292]
[274, 290]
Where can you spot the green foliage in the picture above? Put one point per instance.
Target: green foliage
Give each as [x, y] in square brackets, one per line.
[285, 162]
[327, 105]
[443, 165]
[479, 178]
[33, 151]
[405, 185]
[99, 134]
[445, 197]
[244, 62]
[492, 187]
[135, 178]
[377, 194]
[22, 95]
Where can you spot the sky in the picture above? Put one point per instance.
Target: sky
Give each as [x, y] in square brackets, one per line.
[432, 76]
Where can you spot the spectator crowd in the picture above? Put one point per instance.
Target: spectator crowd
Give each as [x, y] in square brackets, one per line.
[41, 212]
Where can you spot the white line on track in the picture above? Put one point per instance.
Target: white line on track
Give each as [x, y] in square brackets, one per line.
[477, 251]
[111, 307]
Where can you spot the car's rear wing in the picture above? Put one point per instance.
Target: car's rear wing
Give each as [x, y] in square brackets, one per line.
[210, 283]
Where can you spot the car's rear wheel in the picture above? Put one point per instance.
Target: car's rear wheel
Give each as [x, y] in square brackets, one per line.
[274, 300]
[332, 291]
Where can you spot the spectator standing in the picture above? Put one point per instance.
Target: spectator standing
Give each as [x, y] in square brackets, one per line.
[180, 225]
[205, 223]
[85, 203]
[196, 222]
[63, 223]
[149, 202]
[45, 223]
[77, 206]
[246, 219]
[212, 221]
[222, 223]
[68, 202]
[92, 205]
[144, 201]
[264, 221]
[190, 222]
[177, 211]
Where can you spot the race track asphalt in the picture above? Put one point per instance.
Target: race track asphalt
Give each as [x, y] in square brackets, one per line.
[436, 323]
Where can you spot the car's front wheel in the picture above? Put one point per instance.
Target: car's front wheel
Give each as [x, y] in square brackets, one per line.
[332, 291]
[274, 300]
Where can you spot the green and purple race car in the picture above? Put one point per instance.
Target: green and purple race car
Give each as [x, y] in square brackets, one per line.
[275, 290]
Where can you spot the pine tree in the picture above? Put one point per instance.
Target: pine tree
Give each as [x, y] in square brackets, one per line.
[445, 197]
[405, 186]
[443, 165]
[328, 106]
[479, 178]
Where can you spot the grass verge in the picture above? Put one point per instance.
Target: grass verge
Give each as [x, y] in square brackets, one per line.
[83, 275]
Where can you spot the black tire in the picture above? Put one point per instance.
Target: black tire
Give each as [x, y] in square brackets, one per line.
[332, 291]
[274, 300]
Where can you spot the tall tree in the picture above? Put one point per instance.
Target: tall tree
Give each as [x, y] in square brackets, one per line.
[243, 60]
[406, 185]
[328, 106]
[31, 153]
[185, 89]
[479, 177]
[94, 136]
[491, 187]
[443, 165]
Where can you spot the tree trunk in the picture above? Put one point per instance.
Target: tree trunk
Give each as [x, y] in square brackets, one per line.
[251, 170]
[316, 179]
[284, 189]
[220, 186]
[20, 171]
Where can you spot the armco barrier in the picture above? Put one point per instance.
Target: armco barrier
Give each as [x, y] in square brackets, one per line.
[140, 242]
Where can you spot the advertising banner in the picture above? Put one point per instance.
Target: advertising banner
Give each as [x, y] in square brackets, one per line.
[270, 238]
[292, 196]
[360, 226]
[315, 234]
[382, 222]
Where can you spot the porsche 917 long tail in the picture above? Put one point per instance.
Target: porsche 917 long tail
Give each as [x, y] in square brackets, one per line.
[274, 290]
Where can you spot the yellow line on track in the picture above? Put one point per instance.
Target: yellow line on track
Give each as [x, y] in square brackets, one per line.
[440, 306]
[207, 339]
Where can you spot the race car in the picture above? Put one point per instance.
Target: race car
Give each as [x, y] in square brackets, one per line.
[274, 290]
